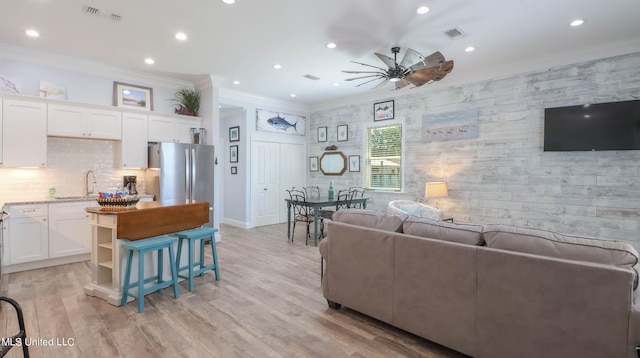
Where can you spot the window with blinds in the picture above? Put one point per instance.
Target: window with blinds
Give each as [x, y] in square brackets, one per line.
[383, 164]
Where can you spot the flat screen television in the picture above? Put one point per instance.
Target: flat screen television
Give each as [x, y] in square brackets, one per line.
[591, 127]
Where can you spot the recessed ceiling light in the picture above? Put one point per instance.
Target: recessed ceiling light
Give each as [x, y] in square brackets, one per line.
[236, 82]
[336, 84]
[470, 49]
[229, 1]
[32, 33]
[277, 66]
[422, 10]
[292, 95]
[331, 45]
[181, 36]
[576, 22]
[149, 61]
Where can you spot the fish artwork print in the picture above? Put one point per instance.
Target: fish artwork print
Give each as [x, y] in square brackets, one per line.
[280, 123]
[271, 121]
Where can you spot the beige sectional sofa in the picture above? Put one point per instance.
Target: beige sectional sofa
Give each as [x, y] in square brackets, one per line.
[486, 291]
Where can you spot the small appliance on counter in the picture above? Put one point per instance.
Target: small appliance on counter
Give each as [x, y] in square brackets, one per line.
[129, 184]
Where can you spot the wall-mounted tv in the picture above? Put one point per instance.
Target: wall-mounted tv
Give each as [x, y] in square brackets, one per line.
[590, 127]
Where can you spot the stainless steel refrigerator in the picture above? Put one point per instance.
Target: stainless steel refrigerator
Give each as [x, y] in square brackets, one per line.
[179, 171]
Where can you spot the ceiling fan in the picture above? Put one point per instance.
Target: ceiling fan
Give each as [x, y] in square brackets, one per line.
[414, 69]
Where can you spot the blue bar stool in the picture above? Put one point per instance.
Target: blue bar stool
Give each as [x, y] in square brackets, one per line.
[193, 235]
[142, 247]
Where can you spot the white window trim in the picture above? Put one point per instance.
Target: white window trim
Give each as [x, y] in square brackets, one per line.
[363, 161]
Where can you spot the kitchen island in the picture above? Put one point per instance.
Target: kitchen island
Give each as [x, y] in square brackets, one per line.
[112, 227]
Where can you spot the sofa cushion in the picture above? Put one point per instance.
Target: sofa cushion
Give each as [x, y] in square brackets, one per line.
[370, 218]
[441, 230]
[547, 243]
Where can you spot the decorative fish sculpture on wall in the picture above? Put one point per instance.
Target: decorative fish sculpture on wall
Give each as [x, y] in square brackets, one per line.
[280, 123]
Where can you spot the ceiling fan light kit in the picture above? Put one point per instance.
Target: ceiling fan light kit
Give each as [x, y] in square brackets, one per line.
[413, 69]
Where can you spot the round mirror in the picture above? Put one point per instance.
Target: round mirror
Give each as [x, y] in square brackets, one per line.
[333, 163]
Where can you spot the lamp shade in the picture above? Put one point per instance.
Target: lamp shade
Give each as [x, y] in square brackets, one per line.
[436, 190]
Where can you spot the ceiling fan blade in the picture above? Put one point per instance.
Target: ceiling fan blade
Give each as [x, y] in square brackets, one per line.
[364, 83]
[430, 74]
[433, 60]
[382, 83]
[364, 64]
[402, 83]
[411, 57]
[359, 78]
[361, 71]
[391, 63]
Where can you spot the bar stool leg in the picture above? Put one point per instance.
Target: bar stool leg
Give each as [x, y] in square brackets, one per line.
[214, 252]
[174, 272]
[140, 282]
[125, 288]
[191, 258]
[160, 266]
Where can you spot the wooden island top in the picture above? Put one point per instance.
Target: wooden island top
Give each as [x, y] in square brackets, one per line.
[154, 218]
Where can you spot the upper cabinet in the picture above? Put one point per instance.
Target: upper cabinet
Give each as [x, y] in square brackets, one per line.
[171, 129]
[84, 122]
[134, 140]
[24, 133]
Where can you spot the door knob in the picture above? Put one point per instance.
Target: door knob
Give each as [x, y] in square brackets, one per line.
[265, 189]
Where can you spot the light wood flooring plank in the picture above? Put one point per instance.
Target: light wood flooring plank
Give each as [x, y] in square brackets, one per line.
[268, 303]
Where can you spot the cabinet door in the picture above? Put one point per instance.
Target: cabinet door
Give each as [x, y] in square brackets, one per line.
[183, 129]
[104, 124]
[134, 140]
[66, 121]
[161, 129]
[69, 230]
[24, 133]
[28, 235]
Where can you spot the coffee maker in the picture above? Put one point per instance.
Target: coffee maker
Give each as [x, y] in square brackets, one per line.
[129, 184]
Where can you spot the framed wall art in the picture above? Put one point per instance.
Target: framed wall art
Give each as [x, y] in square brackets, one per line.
[234, 134]
[343, 133]
[383, 111]
[354, 163]
[269, 121]
[234, 170]
[233, 154]
[313, 164]
[322, 134]
[131, 96]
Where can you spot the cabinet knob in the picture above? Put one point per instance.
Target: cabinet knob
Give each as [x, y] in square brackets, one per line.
[44, 219]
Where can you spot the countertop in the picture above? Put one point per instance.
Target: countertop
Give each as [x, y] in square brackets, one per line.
[64, 199]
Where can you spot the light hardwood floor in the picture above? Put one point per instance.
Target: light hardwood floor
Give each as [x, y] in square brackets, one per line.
[268, 303]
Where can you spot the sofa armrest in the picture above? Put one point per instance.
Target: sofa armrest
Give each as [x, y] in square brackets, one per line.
[359, 269]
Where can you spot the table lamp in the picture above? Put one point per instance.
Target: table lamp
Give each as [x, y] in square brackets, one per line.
[435, 190]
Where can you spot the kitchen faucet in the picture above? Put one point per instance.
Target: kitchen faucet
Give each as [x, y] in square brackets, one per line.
[86, 183]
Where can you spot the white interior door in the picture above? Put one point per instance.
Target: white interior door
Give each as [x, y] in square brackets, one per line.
[292, 172]
[265, 182]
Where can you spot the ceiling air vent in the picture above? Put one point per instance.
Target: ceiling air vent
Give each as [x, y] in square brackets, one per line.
[310, 77]
[93, 10]
[103, 14]
[454, 33]
[115, 18]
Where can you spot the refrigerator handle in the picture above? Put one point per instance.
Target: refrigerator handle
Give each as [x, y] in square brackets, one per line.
[193, 174]
[187, 175]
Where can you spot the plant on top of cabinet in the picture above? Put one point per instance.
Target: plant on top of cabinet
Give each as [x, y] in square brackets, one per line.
[188, 101]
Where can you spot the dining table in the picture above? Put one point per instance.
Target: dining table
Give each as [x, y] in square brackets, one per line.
[317, 203]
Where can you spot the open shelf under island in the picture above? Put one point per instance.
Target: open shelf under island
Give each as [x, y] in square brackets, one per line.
[113, 227]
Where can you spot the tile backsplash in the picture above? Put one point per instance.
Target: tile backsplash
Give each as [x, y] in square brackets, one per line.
[68, 161]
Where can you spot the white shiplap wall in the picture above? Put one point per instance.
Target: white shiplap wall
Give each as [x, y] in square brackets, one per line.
[504, 176]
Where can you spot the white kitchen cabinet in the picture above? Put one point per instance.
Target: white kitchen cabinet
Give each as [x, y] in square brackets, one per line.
[24, 133]
[172, 129]
[134, 140]
[28, 235]
[69, 229]
[83, 122]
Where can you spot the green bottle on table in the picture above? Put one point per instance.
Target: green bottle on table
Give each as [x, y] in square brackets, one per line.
[330, 190]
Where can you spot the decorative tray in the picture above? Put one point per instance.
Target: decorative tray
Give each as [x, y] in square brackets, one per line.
[126, 202]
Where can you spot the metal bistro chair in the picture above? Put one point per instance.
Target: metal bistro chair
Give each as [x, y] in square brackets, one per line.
[312, 191]
[357, 192]
[301, 212]
[343, 201]
[19, 338]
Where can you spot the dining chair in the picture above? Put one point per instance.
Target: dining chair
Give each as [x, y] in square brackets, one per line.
[312, 191]
[343, 201]
[357, 192]
[301, 212]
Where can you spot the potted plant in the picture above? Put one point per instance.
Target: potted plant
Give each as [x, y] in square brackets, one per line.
[188, 101]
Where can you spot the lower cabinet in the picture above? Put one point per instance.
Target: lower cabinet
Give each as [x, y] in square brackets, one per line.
[28, 238]
[69, 229]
